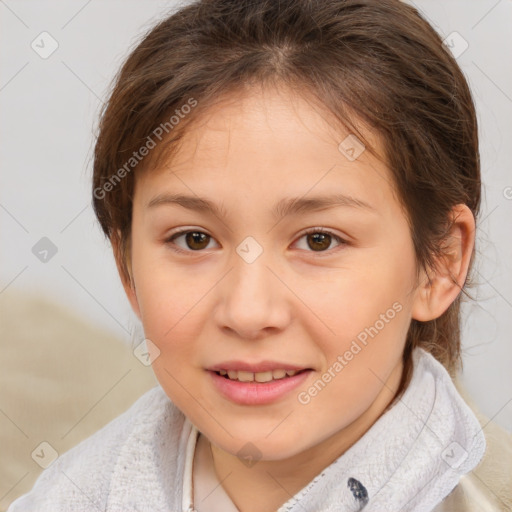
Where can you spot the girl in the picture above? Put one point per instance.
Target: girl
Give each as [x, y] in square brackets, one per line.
[290, 189]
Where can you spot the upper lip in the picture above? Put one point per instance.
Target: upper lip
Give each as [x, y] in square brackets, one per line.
[262, 366]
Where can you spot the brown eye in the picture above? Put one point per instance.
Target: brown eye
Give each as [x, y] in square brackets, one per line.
[319, 240]
[194, 241]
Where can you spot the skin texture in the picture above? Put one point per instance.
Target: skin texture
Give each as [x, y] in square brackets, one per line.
[300, 302]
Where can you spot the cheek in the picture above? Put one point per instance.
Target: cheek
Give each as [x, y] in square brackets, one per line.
[367, 310]
[166, 297]
[169, 316]
[357, 299]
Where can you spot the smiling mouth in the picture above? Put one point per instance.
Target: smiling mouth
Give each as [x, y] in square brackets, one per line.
[268, 376]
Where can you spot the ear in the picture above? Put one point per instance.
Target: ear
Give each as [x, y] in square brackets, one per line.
[434, 296]
[123, 263]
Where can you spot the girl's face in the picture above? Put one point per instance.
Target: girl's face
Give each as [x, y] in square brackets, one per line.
[246, 288]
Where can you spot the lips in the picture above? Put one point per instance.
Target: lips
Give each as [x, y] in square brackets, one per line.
[257, 393]
[260, 383]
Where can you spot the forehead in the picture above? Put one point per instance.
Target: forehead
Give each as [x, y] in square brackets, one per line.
[267, 144]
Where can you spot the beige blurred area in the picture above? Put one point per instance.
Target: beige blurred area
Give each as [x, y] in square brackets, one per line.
[61, 380]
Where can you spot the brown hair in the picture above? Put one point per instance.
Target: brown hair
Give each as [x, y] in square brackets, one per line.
[375, 61]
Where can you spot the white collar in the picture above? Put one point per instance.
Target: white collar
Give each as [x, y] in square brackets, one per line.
[188, 495]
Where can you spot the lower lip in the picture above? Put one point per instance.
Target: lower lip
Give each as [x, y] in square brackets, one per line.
[257, 393]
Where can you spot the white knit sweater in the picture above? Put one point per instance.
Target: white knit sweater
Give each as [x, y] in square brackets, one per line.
[409, 460]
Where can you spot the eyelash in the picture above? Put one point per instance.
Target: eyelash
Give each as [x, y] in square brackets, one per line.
[170, 240]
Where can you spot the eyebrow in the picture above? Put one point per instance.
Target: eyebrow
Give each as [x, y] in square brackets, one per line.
[285, 207]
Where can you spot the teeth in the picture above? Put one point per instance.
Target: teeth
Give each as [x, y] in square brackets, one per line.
[244, 376]
[263, 376]
[279, 374]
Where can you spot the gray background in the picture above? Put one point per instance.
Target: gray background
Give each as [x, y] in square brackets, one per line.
[49, 111]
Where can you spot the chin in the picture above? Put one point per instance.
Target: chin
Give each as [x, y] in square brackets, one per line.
[280, 447]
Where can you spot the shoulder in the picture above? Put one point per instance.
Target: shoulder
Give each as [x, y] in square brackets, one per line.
[489, 486]
[80, 479]
[472, 495]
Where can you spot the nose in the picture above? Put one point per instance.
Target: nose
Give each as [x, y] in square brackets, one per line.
[252, 301]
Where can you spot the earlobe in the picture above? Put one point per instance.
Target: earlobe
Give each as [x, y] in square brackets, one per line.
[442, 285]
